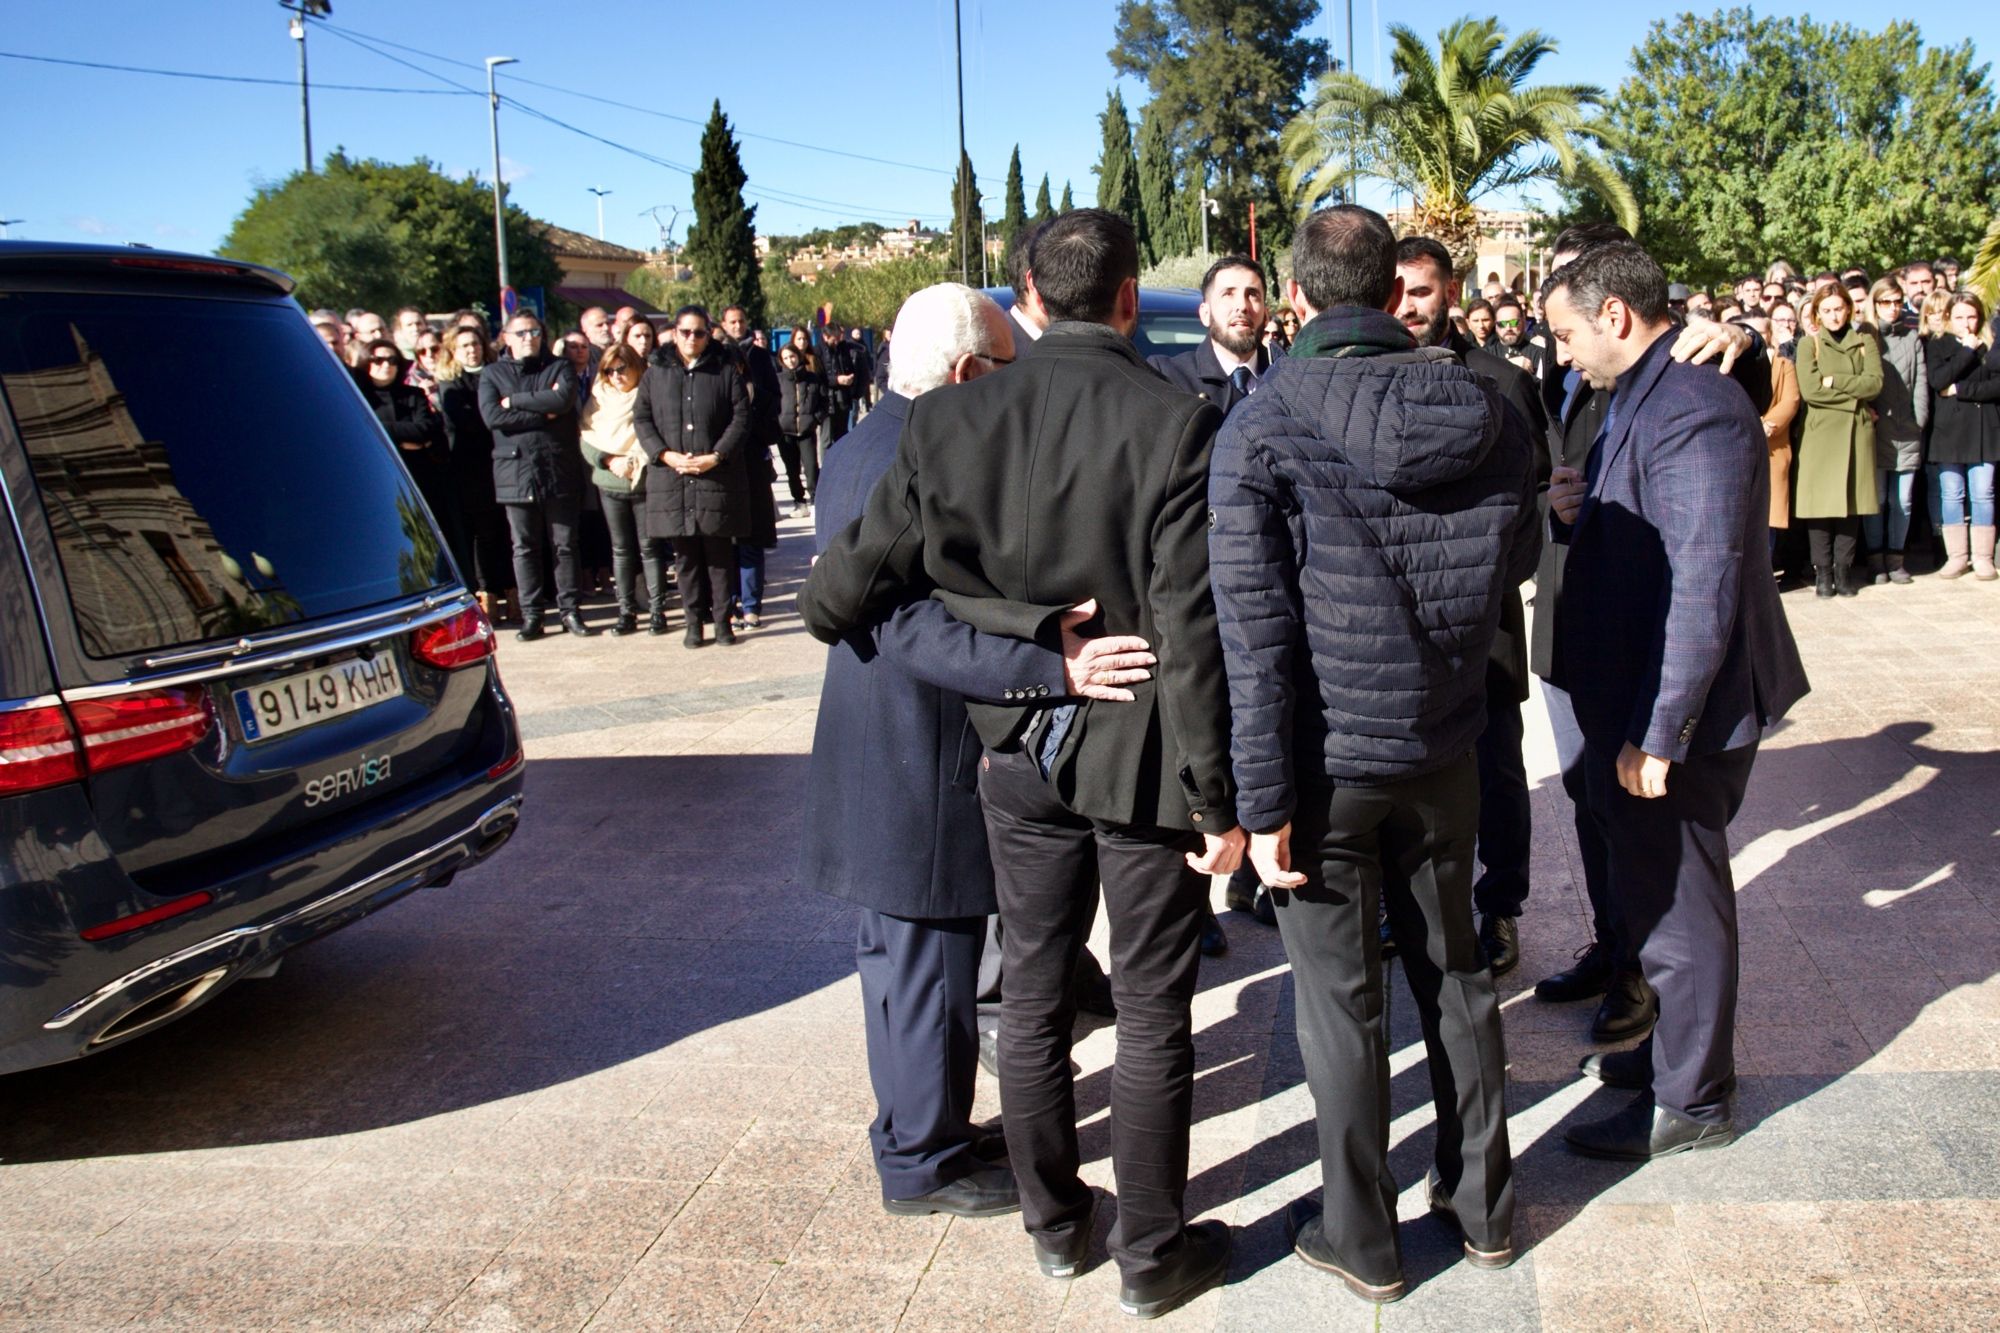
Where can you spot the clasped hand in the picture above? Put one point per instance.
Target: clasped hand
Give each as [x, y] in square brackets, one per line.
[689, 465]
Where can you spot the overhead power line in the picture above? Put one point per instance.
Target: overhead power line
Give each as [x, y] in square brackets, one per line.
[645, 110]
[224, 78]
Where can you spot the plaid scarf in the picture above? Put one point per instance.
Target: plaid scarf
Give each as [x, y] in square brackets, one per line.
[1352, 331]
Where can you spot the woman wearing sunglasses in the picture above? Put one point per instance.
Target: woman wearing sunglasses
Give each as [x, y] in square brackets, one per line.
[1902, 411]
[417, 432]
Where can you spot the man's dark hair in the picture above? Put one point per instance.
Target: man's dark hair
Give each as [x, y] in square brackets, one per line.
[1345, 255]
[1614, 268]
[1507, 302]
[737, 308]
[1223, 265]
[692, 309]
[1020, 258]
[1940, 262]
[1424, 250]
[1479, 303]
[1575, 240]
[1923, 264]
[1850, 276]
[1080, 261]
[1747, 277]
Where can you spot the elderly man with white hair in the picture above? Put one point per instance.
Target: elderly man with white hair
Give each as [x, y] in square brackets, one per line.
[892, 817]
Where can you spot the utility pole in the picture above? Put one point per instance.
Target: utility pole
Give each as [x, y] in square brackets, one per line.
[301, 10]
[1207, 206]
[499, 208]
[964, 184]
[600, 208]
[1353, 178]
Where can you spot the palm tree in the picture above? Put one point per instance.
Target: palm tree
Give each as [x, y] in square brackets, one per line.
[1984, 275]
[1455, 125]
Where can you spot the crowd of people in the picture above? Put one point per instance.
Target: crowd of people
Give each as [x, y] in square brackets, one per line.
[617, 456]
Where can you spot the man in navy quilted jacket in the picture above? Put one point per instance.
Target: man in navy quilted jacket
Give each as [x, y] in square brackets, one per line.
[1371, 509]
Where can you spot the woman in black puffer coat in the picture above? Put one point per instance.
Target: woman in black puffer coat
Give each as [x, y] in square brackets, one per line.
[693, 419]
[405, 412]
[470, 443]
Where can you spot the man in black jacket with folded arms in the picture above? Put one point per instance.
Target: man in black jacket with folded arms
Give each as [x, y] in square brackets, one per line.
[1077, 474]
[528, 400]
[1373, 506]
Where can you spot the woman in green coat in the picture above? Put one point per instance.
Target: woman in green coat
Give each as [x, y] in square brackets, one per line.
[1840, 372]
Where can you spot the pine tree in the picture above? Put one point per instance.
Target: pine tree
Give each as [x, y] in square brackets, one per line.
[1159, 192]
[722, 243]
[1067, 202]
[968, 222]
[1044, 210]
[1016, 215]
[1118, 168]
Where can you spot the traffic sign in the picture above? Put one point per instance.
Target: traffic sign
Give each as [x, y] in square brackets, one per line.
[510, 303]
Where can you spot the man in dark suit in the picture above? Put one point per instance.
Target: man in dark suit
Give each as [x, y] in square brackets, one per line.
[1674, 651]
[1088, 477]
[1607, 967]
[1505, 825]
[1224, 368]
[892, 818]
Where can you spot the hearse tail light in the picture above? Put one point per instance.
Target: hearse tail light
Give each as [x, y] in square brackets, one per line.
[132, 728]
[465, 639]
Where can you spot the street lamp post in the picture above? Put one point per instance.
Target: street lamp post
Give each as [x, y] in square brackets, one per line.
[499, 208]
[600, 208]
[9, 222]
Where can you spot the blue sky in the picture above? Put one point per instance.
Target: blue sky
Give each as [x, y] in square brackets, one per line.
[97, 154]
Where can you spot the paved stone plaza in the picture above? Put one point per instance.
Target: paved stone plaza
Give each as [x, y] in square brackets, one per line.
[615, 1078]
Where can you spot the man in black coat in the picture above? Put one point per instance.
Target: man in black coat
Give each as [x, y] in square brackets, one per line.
[846, 379]
[892, 818]
[1224, 368]
[1089, 479]
[1372, 507]
[1575, 411]
[1505, 823]
[528, 399]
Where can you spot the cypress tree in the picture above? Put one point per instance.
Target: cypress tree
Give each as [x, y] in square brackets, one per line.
[1044, 210]
[1067, 202]
[1159, 196]
[967, 220]
[722, 243]
[1118, 169]
[1015, 215]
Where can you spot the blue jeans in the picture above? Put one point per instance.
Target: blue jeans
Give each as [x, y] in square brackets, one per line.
[1960, 482]
[750, 576]
[1895, 505]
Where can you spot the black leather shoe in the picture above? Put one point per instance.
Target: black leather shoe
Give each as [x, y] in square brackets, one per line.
[1065, 1259]
[1822, 582]
[1643, 1131]
[1587, 977]
[1630, 1009]
[627, 623]
[1843, 581]
[724, 634]
[692, 637]
[1302, 1225]
[1498, 1257]
[1631, 1070]
[989, 1051]
[1214, 943]
[656, 623]
[531, 629]
[1200, 1263]
[987, 1192]
[1388, 938]
[1500, 937]
[572, 621]
[989, 1141]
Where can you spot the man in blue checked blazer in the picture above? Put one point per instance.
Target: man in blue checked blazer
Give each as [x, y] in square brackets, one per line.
[1671, 642]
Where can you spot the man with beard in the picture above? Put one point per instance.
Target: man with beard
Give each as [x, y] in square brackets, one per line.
[1225, 369]
[1510, 326]
[1916, 279]
[1429, 291]
[1230, 360]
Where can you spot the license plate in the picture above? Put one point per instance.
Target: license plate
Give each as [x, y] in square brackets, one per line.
[308, 698]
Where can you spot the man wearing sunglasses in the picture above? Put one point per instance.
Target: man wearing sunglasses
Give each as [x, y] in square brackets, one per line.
[528, 399]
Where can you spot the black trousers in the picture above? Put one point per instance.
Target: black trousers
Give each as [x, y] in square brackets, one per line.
[1832, 541]
[1410, 845]
[706, 570]
[1592, 849]
[492, 560]
[1506, 823]
[1676, 903]
[1047, 866]
[917, 984]
[535, 529]
[632, 552]
[801, 455]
